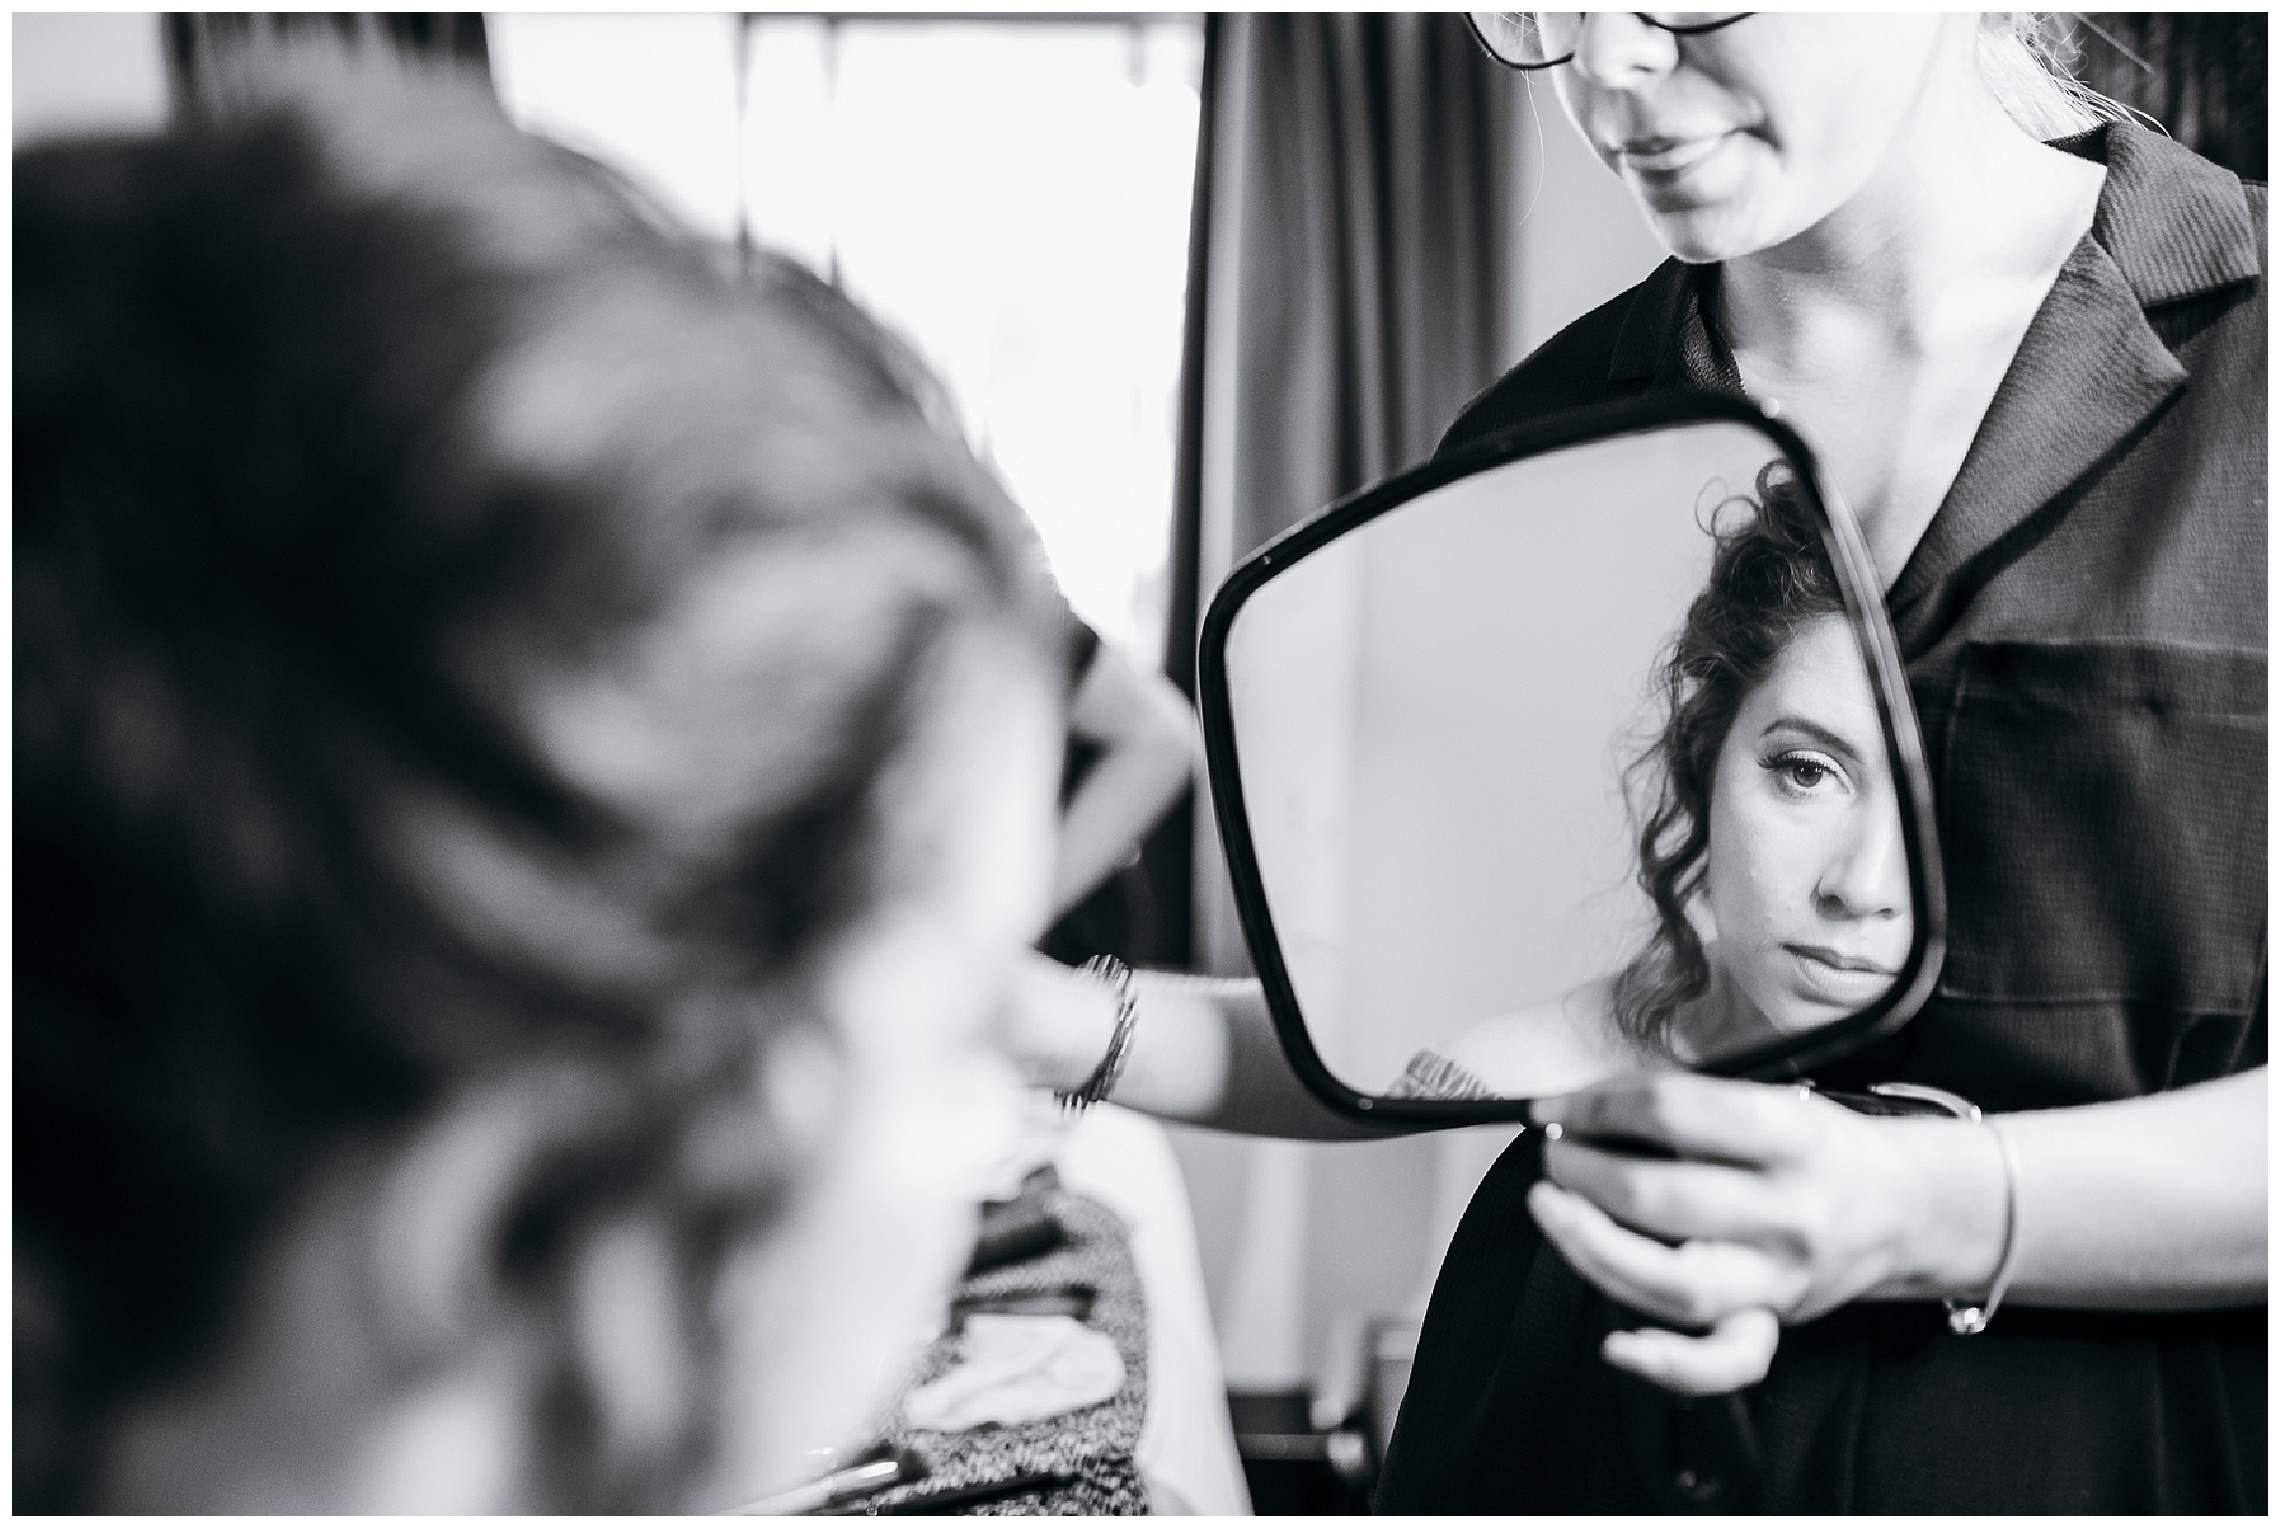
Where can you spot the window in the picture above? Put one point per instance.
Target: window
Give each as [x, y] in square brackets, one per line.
[1011, 195]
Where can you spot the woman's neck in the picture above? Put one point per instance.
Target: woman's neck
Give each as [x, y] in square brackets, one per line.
[1884, 331]
[1966, 199]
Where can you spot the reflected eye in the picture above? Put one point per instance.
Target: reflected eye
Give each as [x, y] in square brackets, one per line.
[1805, 774]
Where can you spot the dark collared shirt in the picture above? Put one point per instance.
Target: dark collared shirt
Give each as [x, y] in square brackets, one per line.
[2084, 628]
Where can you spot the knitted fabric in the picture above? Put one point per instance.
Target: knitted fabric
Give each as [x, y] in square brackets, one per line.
[1094, 1444]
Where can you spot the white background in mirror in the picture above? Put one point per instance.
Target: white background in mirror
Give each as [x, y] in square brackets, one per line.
[1432, 717]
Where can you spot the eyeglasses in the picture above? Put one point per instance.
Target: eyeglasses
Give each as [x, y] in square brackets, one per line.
[1541, 39]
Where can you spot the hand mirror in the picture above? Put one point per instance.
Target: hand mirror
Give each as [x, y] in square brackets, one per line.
[1584, 750]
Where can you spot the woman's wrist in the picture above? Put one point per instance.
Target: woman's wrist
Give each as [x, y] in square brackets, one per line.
[1958, 1220]
[1061, 1023]
[1101, 1081]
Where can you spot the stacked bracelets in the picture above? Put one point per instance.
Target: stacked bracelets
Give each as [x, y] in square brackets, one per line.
[1103, 1079]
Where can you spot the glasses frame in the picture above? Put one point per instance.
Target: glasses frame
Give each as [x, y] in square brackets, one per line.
[1696, 30]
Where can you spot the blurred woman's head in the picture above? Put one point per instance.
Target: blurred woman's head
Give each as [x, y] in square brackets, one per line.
[532, 763]
[1738, 139]
[1773, 810]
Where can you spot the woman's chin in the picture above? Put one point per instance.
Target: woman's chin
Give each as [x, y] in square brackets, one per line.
[1706, 234]
[1804, 1016]
[1815, 999]
[1709, 211]
[1727, 222]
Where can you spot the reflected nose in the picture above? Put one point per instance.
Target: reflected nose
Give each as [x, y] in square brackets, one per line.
[1618, 51]
[1868, 875]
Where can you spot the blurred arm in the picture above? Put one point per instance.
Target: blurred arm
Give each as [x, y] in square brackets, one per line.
[1150, 748]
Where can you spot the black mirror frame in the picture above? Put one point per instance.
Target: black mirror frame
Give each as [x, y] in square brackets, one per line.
[1780, 1060]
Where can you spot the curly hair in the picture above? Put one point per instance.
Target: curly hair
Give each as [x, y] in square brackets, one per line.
[343, 427]
[1769, 577]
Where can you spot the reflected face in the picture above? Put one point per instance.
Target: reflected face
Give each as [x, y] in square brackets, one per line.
[1738, 140]
[1808, 873]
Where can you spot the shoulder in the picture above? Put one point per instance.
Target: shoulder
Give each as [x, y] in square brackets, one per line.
[2178, 225]
[1568, 370]
[2204, 272]
[1556, 1046]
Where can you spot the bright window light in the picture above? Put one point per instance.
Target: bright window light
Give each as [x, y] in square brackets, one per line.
[1012, 196]
[654, 96]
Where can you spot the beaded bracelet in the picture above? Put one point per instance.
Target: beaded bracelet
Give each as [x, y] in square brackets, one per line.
[1103, 1080]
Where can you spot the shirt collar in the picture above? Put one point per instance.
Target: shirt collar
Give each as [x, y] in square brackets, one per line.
[2175, 224]
[1666, 340]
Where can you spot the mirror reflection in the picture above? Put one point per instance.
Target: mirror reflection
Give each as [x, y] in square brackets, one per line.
[1570, 766]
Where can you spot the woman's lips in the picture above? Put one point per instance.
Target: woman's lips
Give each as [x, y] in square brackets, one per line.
[1840, 963]
[1669, 155]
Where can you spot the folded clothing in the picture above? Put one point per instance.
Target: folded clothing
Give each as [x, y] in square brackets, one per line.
[1018, 1369]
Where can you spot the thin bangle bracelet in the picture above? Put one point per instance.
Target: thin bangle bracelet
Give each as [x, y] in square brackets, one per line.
[1103, 1079]
[1970, 1320]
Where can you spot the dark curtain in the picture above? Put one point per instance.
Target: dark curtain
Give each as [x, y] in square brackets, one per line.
[2201, 75]
[1347, 290]
[1365, 208]
[215, 60]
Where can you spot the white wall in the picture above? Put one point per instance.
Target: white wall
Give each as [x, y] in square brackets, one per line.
[1579, 238]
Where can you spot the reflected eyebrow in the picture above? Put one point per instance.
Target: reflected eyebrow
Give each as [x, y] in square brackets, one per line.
[1817, 732]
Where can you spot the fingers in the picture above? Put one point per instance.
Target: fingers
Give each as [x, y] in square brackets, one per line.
[1734, 1355]
[1747, 1123]
[1677, 1201]
[1731, 1288]
[1696, 1283]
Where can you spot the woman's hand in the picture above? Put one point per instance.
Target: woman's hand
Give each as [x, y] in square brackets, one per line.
[1774, 1205]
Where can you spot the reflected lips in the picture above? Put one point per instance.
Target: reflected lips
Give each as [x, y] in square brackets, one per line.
[1839, 963]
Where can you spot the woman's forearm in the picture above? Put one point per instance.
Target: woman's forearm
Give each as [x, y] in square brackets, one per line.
[1203, 1051]
[2150, 1203]
[2153, 1203]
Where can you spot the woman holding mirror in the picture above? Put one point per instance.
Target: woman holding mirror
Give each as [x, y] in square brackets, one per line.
[2035, 371]
[2029, 346]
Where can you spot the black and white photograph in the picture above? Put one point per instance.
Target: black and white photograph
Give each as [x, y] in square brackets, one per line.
[1091, 763]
